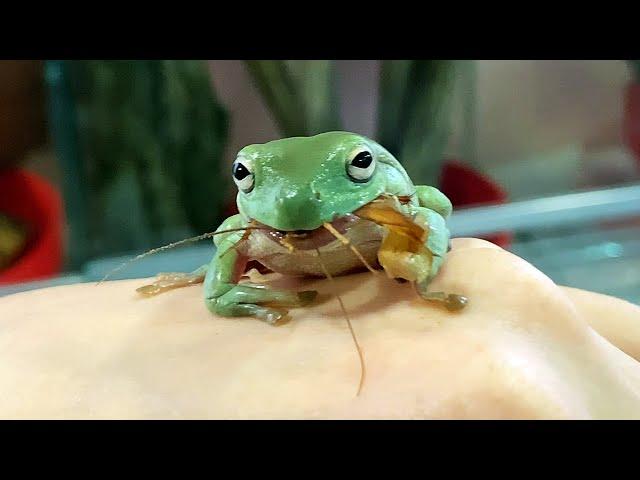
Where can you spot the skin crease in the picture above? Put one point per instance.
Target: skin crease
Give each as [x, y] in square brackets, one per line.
[523, 348]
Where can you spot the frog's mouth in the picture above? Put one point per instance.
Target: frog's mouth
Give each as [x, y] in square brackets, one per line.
[307, 239]
[382, 211]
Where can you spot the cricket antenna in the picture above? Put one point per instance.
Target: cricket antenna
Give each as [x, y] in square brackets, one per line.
[346, 316]
[173, 245]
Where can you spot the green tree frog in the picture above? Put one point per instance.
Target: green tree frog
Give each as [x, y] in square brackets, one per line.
[305, 208]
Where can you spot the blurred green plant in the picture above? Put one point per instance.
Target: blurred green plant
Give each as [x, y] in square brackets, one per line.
[414, 115]
[300, 94]
[634, 65]
[13, 238]
[141, 143]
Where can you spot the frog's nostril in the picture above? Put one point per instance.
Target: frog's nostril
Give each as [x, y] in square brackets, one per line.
[296, 209]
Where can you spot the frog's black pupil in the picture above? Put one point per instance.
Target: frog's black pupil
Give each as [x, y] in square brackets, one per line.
[240, 171]
[362, 160]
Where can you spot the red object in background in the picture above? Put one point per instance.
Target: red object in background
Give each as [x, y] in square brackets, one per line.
[631, 121]
[466, 187]
[27, 198]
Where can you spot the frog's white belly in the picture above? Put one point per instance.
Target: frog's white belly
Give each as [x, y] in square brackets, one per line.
[338, 258]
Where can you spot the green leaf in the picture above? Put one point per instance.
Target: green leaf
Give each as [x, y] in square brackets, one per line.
[278, 89]
[427, 125]
[415, 113]
[314, 82]
[635, 69]
[395, 77]
[152, 133]
[300, 94]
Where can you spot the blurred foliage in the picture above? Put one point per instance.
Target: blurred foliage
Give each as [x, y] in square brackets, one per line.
[22, 118]
[151, 136]
[635, 69]
[414, 112]
[13, 238]
[300, 94]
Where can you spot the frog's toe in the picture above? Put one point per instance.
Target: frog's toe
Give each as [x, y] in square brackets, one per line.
[272, 316]
[169, 281]
[258, 301]
[451, 301]
[288, 299]
[456, 302]
[306, 297]
[225, 308]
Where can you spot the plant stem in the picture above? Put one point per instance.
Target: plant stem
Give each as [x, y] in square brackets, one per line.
[299, 93]
[427, 123]
[635, 69]
[277, 87]
[395, 76]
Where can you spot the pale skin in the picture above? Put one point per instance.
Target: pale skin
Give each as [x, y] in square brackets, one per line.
[522, 348]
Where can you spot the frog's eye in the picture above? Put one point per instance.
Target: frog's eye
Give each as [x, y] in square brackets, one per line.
[242, 171]
[361, 165]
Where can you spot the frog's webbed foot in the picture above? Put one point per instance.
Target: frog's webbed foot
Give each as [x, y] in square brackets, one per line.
[404, 257]
[256, 300]
[169, 281]
[451, 301]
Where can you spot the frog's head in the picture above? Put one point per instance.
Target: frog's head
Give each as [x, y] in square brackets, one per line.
[300, 183]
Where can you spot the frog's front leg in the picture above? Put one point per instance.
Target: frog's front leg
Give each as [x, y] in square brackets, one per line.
[437, 245]
[433, 199]
[226, 297]
[431, 259]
